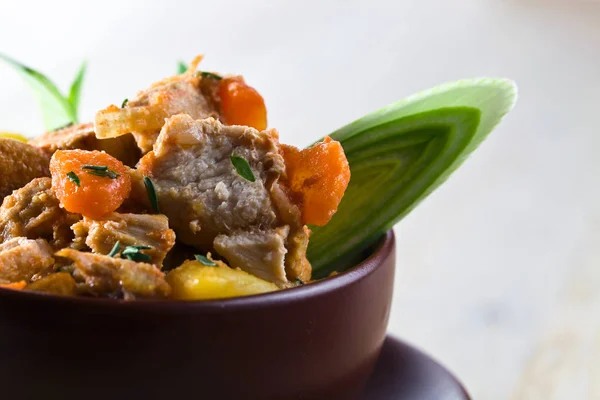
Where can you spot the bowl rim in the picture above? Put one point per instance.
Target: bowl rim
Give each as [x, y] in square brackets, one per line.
[381, 252]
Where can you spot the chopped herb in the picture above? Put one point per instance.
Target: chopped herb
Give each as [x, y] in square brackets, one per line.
[65, 126]
[204, 260]
[205, 74]
[124, 103]
[134, 253]
[66, 268]
[73, 178]
[300, 281]
[100, 170]
[181, 67]
[138, 257]
[151, 190]
[243, 168]
[115, 249]
[96, 167]
[140, 247]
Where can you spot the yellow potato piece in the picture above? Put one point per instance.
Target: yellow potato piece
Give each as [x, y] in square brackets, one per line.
[11, 135]
[195, 281]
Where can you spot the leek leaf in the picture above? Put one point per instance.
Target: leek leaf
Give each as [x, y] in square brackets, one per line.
[398, 155]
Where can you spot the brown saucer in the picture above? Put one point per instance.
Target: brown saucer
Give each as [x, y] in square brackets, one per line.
[404, 373]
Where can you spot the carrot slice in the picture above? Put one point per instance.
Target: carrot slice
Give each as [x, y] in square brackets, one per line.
[91, 183]
[242, 104]
[317, 177]
[14, 285]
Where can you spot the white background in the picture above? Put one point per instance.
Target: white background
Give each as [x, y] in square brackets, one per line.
[484, 262]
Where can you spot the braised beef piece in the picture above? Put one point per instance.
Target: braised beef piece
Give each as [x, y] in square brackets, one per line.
[34, 212]
[260, 252]
[114, 277]
[204, 196]
[82, 136]
[129, 230]
[144, 115]
[21, 259]
[19, 164]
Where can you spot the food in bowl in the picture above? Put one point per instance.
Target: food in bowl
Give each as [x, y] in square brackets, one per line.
[180, 193]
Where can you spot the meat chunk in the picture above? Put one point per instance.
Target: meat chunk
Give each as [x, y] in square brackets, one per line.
[297, 265]
[34, 212]
[115, 277]
[262, 253]
[19, 164]
[145, 114]
[197, 185]
[276, 255]
[22, 258]
[204, 196]
[83, 137]
[129, 230]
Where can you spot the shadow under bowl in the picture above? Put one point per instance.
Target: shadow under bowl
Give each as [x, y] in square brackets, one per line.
[318, 341]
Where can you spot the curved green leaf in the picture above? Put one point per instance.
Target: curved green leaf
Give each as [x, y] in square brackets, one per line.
[400, 154]
[56, 109]
[75, 91]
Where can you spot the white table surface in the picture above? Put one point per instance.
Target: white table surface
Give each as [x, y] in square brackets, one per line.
[498, 271]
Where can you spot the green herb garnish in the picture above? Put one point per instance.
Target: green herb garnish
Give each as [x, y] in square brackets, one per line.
[151, 190]
[74, 178]
[181, 67]
[57, 109]
[104, 174]
[95, 167]
[134, 253]
[204, 260]
[115, 249]
[210, 75]
[243, 168]
[100, 170]
[140, 247]
[124, 103]
[66, 268]
[65, 126]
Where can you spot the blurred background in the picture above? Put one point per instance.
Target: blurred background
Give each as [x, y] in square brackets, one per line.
[498, 273]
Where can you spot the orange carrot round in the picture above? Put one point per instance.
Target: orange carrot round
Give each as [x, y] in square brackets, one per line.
[91, 183]
[317, 177]
[15, 285]
[242, 104]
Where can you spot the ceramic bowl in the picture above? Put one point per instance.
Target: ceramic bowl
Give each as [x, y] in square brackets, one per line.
[318, 341]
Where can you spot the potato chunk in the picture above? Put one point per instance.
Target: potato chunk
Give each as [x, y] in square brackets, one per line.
[195, 281]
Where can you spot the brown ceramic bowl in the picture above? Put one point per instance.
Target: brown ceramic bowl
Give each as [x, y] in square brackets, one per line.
[319, 341]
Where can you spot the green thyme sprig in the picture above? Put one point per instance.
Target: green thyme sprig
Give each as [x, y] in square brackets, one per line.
[210, 75]
[100, 170]
[243, 168]
[151, 191]
[134, 253]
[115, 249]
[74, 178]
[205, 260]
